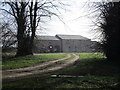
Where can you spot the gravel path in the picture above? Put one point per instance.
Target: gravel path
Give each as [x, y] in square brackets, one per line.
[14, 74]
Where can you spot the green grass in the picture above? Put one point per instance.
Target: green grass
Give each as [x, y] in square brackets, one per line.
[10, 62]
[96, 72]
[46, 81]
[92, 64]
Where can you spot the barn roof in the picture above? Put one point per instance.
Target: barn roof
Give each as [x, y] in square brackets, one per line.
[47, 38]
[61, 36]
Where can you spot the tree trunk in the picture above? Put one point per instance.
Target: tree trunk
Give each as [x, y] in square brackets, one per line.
[24, 40]
[24, 47]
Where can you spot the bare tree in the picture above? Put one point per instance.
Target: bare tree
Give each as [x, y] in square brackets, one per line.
[8, 36]
[27, 15]
[108, 21]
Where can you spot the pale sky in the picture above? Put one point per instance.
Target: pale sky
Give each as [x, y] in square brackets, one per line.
[76, 23]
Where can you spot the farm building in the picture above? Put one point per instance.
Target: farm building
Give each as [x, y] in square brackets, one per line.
[63, 43]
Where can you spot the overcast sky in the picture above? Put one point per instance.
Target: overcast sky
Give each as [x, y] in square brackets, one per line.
[75, 21]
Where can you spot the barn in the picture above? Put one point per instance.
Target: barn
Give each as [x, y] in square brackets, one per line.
[63, 43]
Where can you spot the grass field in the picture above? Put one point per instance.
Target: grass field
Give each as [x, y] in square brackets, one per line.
[93, 68]
[10, 62]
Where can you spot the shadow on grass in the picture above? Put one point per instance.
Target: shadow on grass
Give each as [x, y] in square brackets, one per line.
[96, 72]
[98, 67]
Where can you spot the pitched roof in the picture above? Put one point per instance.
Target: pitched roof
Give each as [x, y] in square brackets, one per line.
[47, 38]
[61, 36]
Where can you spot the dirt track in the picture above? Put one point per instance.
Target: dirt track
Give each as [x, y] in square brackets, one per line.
[50, 66]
